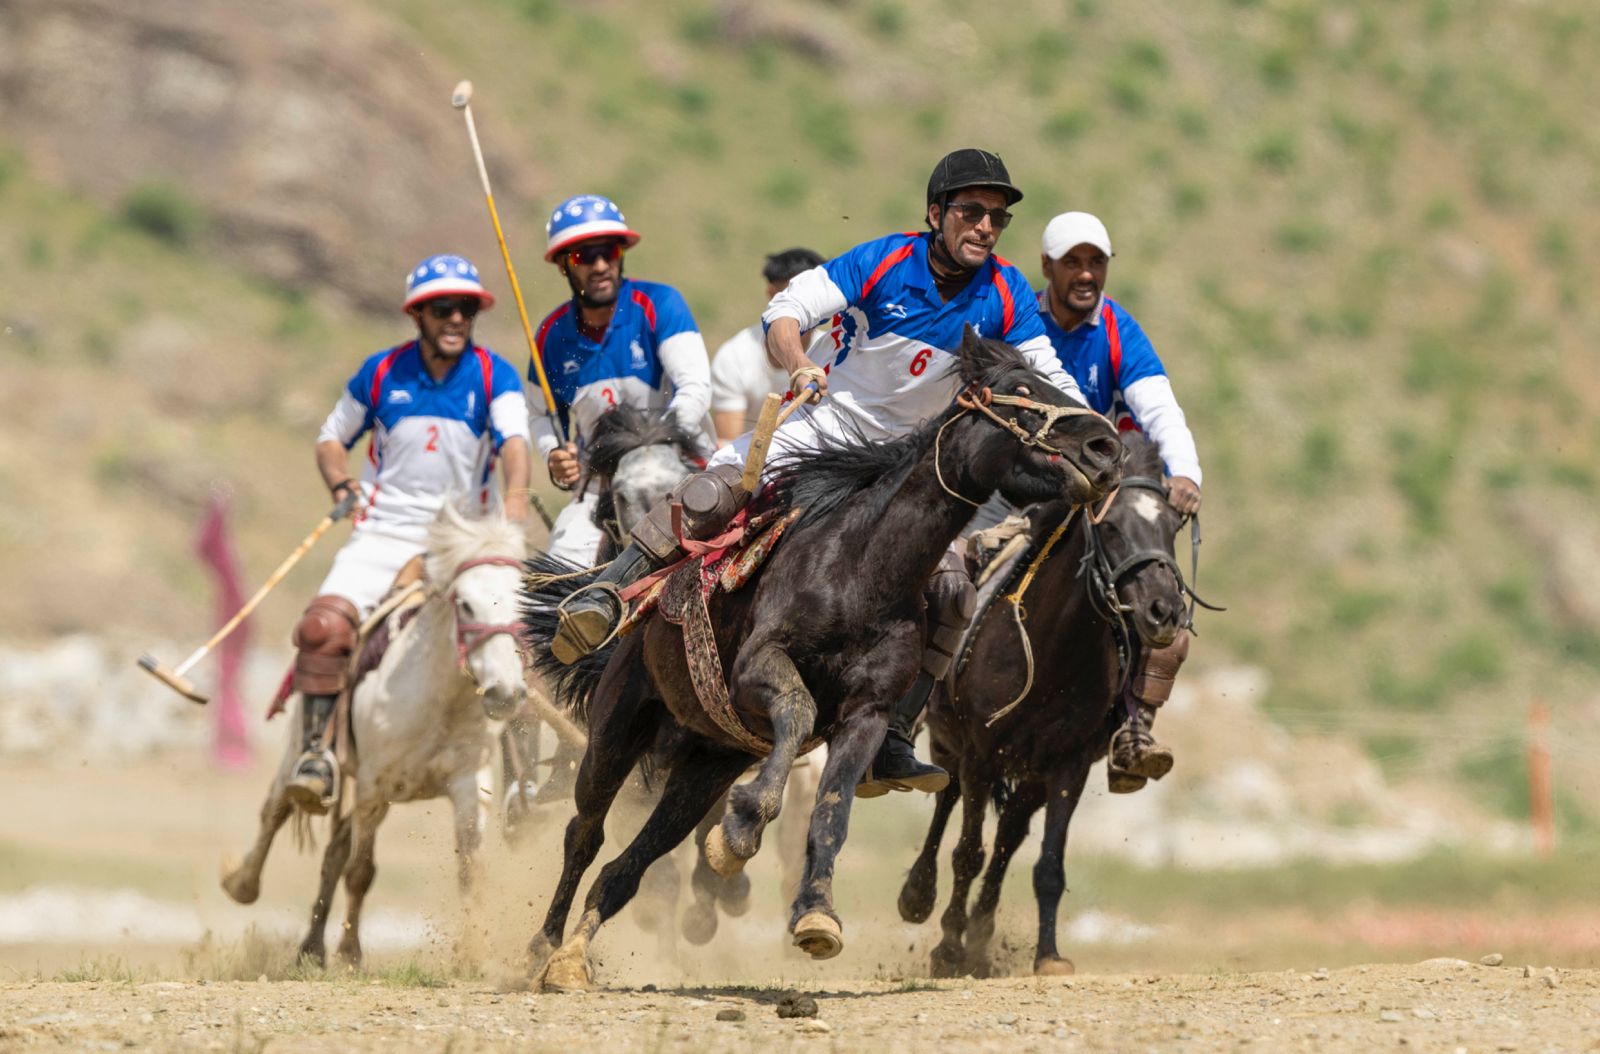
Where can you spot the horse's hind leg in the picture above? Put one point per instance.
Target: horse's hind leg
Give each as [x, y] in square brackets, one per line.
[619, 734]
[242, 880]
[333, 861]
[770, 681]
[700, 775]
[965, 863]
[363, 824]
[1009, 834]
[922, 883]
[469, 866]
[1049, 874]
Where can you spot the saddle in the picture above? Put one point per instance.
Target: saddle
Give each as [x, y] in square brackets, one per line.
[682, 593]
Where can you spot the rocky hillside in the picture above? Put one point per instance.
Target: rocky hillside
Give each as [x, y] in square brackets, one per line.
[1362, 236]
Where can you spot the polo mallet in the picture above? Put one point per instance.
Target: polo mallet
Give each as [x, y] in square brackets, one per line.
[462, 100]
[174, 678]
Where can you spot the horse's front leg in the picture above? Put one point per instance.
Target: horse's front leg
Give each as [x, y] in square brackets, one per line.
[1009, 834]
[700, 775]
[769, 682]
[921, 887]
[334, 858]
[622, 725]
[242, 879]
[363, 825]
[965, 863]
[1049, 874]
[699, 922]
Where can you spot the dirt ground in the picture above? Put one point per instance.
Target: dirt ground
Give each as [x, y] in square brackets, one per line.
[1440, 1005]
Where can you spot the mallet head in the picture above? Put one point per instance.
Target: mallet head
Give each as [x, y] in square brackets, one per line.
[182, 685]
[462, 96]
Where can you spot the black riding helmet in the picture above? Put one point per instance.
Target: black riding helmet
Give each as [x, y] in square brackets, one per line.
[970, 167]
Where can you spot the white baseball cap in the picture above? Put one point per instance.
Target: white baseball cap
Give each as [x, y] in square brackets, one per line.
[1072, 229]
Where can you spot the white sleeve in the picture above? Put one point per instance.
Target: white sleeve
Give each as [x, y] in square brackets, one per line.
[810, 298]
[1042, 357]
[544, 435]
[344, 424]
[683, 359]
[727, 394]
[1156, 409]
[509, 415]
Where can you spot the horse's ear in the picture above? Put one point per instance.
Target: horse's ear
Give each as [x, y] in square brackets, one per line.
[976, 358]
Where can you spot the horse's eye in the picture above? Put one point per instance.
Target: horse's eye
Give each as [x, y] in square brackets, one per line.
[466, 609]
[1022, 389]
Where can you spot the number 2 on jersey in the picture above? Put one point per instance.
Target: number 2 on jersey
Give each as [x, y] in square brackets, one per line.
[433, 439]
[920, 363]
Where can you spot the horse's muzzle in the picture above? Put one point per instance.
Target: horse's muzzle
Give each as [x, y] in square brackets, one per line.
[502, 701]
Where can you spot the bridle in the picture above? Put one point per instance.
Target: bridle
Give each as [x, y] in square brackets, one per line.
[470, 636]
[978, 399]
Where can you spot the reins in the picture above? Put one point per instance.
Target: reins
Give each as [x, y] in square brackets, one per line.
[979, 399]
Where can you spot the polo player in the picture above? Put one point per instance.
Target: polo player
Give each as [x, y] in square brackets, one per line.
[894, 306]
[441, 411]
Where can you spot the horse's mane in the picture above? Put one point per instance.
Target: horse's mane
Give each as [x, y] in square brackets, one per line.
[821, 480]
[627, 428]
[454, 539]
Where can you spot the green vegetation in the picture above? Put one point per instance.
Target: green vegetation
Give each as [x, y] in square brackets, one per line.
[163, 212]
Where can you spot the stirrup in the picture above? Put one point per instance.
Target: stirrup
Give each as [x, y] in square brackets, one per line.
[578, 649]
[319, 804]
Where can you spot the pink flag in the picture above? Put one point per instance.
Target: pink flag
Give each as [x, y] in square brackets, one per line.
[231, 745]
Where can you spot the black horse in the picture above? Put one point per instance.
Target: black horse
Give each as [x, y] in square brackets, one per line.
[1092, 594]
[823, 641]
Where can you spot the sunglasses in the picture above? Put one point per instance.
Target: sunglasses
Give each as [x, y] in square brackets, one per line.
[446, 307]
[972, 212]
[587, 255]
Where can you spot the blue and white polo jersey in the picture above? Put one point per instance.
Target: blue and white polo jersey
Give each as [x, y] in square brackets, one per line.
[1121, 376]
[431, 440]
[891, 338]
[651, 356]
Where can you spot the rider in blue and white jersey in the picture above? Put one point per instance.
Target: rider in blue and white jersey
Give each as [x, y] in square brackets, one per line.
[440, 411]
[618, 340]
[895, 306]
[1122, 377]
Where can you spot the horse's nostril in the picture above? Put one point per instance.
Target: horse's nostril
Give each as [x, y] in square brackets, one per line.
[1160, 610]
[1103, 451]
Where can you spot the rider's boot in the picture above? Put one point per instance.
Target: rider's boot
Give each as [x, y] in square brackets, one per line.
[706, 500]
[324, 637]
[1135, 756]
[952, 600]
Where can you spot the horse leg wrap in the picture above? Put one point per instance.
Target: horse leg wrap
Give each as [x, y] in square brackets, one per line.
[1152, 684]
[325, 637]
[706, 502]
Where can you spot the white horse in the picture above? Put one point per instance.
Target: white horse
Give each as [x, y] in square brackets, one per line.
[419, 721]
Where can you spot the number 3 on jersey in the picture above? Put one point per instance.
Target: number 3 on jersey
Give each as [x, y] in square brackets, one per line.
[920, 363]
[609, 396]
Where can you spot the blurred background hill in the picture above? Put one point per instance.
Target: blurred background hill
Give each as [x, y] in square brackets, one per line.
[1363, 236]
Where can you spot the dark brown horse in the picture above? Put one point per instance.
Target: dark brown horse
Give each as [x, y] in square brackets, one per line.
[823, 641]
[1092, 595]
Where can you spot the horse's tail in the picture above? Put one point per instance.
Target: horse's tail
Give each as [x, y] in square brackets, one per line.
[550, 580]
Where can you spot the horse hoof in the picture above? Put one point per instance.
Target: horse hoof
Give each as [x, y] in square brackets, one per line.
[243, 888]
[699, 924]
[916, 902]
[567, 973]
[719, 856]
[1054, 966]
[818, 935]
[349, 956]
[945, 962]
[314, 955]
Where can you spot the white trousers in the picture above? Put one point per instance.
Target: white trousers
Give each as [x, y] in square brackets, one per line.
[801, 433]
[365, 568]
[575, 538]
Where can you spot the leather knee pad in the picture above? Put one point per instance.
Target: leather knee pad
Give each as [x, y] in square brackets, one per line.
[1152, 685]
[708, 500]
[952, 600]
[325, 637]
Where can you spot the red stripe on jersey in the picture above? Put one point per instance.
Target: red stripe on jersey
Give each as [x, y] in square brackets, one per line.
[1115, 339]
[883, 268]
[375, 399]
[487, 367]
[550, 320]
[644, 301]
[1006, 303]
